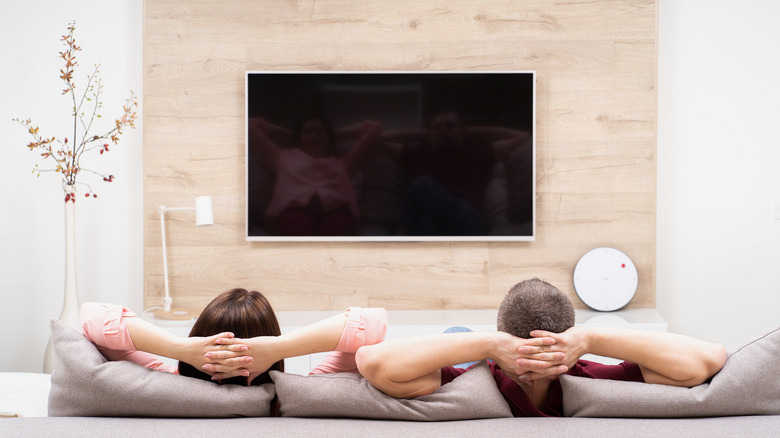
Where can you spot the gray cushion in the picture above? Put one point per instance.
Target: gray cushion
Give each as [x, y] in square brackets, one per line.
[84, 383]
[748, 384]
[471, 395]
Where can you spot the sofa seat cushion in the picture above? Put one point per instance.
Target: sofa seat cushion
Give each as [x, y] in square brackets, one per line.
[471, 395]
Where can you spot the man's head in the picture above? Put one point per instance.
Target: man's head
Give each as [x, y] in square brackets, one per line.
[535, 305]
[446, 130]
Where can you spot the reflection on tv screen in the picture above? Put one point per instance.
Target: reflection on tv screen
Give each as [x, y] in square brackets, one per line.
[390, 156]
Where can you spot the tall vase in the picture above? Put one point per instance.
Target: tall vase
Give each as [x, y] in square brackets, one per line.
[71, 307]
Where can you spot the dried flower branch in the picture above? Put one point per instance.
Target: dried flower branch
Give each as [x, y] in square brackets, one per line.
[66, 156]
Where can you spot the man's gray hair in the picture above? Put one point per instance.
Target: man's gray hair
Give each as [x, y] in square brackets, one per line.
[535, 305]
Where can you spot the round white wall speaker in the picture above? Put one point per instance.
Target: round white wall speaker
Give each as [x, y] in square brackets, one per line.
[605, 279]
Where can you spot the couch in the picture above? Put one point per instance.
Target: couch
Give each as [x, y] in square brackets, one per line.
[90, 396]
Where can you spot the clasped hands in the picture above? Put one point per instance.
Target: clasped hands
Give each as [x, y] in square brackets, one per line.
[545, 355]
[229, 356]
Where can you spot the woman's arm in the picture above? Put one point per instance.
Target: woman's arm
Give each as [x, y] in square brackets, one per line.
[278, 134]
[391, 143]
[664, 358]
[345, 332]
[382, 142]
[411, 367]
[150, 338]
[120, 335]
[259, 141]
[356, 157]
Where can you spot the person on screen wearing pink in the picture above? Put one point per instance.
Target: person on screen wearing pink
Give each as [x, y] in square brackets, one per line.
[120, 334]
[313, 193]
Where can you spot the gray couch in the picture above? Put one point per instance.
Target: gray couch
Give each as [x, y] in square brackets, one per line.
[92, 397]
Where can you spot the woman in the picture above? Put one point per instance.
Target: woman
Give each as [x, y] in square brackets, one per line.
[120, 335]
[312, 192]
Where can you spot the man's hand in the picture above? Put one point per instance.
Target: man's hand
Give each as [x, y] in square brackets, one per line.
[524, 360]
[562, 353]
[573, 343]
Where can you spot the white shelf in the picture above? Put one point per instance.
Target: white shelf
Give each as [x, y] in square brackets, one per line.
[645, 319]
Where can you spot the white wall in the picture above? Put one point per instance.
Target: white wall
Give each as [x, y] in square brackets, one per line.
[109, 228]
[718, 245]
[718, 159]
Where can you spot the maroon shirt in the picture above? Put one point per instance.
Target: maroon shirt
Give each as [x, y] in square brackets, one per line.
[521, 405]
[463, 171]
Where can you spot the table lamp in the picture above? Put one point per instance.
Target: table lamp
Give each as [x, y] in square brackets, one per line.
[204, 216]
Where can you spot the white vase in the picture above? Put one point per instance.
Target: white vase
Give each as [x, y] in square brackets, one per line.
[71, 307]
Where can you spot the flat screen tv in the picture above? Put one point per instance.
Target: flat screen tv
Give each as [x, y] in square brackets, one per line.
[390, 156]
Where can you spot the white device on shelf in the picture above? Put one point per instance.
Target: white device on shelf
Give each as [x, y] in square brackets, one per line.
[605, 279]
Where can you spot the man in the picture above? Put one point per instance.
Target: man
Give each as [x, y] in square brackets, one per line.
[525, 367]
[447, 168]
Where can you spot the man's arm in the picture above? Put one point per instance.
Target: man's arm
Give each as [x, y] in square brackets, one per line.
[411, 367]
[664, 358]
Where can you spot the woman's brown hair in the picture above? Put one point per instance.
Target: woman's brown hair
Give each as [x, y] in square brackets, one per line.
[245, 314]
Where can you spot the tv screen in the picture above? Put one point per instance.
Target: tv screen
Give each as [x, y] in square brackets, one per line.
[390, 156]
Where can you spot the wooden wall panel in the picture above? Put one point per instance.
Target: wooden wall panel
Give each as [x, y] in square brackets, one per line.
[596, 167]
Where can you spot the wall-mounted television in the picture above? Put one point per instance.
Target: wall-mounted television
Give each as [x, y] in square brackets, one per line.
[390, 156]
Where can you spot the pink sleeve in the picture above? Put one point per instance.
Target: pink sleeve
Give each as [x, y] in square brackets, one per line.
[364, 326]
[104, 326]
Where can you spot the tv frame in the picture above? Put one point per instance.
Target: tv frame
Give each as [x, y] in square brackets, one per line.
[391, 238]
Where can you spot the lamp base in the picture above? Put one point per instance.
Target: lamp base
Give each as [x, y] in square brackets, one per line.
[178, 314]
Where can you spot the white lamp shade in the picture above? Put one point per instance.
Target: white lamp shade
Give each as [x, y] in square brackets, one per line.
[204, 213]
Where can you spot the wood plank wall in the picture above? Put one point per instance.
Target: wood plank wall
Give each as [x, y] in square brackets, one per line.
[596, 132]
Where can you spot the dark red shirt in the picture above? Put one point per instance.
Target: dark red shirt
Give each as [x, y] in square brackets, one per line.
[463, 171]
[521, 405]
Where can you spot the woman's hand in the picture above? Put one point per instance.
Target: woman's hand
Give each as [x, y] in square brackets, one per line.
[369, 132]
[369, 135]
[371, 126]
[232, 357]
[194, 349]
